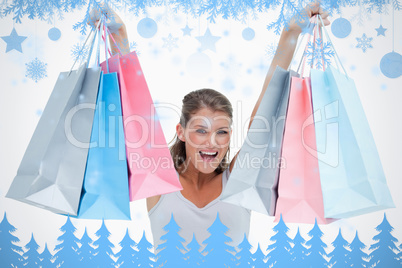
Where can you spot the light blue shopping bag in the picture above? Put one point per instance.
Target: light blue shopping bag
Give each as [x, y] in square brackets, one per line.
[352, 177]
[105, 191]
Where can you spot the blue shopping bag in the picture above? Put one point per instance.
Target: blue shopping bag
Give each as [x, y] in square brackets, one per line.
[352, 177]
[105, 190]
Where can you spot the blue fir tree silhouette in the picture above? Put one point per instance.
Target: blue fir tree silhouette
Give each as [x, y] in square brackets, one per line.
[31, 256]
[298, 252]
[316, 248]
[46, 258]
[10, 253]
[356, 257]
[339, 255]
[244, 256]
[86, 251]
[258, 258]
[103, 253]
[170, 252]
[66, 255]
[218, 252]
[400, 254]
[384, 252]
[126, 256]
[145, 257]
[193, 257]
[279, 250]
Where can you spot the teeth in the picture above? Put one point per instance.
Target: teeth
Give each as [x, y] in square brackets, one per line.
[208, 153]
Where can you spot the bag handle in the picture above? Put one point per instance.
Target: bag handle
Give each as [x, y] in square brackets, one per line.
[299, 45]
[111, 36]
[302, 62]
[303, 59]
[96, 33]
[317, 32]
[98, 47]
[91, 49]
[82, 48]
[311, 28]
[105, 41]
[329, 40]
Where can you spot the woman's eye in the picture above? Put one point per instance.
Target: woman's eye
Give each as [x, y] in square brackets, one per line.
[222, 132]
[201, 131]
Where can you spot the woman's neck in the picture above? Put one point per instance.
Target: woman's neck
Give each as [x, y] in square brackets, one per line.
[188, 172]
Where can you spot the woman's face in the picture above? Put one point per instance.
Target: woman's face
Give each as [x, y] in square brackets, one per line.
[207, 138]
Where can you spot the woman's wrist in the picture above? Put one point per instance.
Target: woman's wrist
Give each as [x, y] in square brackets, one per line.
[296, 26]
[121, 34]
[291, 33]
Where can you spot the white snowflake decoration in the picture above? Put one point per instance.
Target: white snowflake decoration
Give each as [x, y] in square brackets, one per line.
[270, 50]
[79, 53]
[133, 46]
[36, 70]
[170, 42]
[319, 52]
[364, 42]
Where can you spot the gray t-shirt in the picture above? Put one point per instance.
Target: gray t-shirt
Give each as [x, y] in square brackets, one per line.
[196, 220]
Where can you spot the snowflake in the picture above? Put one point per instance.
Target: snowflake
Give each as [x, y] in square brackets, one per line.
[364, 43]
[36, 70]
[133, 46]
[319, 52]
[270, 50]
[79, 53]
[170, 42]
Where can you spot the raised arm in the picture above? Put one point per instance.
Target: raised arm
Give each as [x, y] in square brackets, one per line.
[284, 52]
[119, 35]
[116, 27]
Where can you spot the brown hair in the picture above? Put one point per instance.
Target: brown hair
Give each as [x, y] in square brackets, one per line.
[192, 103]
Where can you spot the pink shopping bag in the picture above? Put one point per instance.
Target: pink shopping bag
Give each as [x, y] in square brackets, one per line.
[151, 169]
[299, 191]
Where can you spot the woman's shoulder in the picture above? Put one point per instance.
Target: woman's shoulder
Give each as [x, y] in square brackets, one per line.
[152, 201]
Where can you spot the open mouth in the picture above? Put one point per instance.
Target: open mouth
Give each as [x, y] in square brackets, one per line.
[208, 155]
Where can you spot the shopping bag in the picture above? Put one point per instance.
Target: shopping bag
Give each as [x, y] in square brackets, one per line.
[150, 165]
[105, 189]
[352, 178]
[299, 190]
[253, 180]
[52, 170]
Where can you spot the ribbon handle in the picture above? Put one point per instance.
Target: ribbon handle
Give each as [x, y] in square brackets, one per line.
[336, 54]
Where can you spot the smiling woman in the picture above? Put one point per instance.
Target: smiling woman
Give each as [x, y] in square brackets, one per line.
[201, 149]
[203, 134]
[200, 154]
